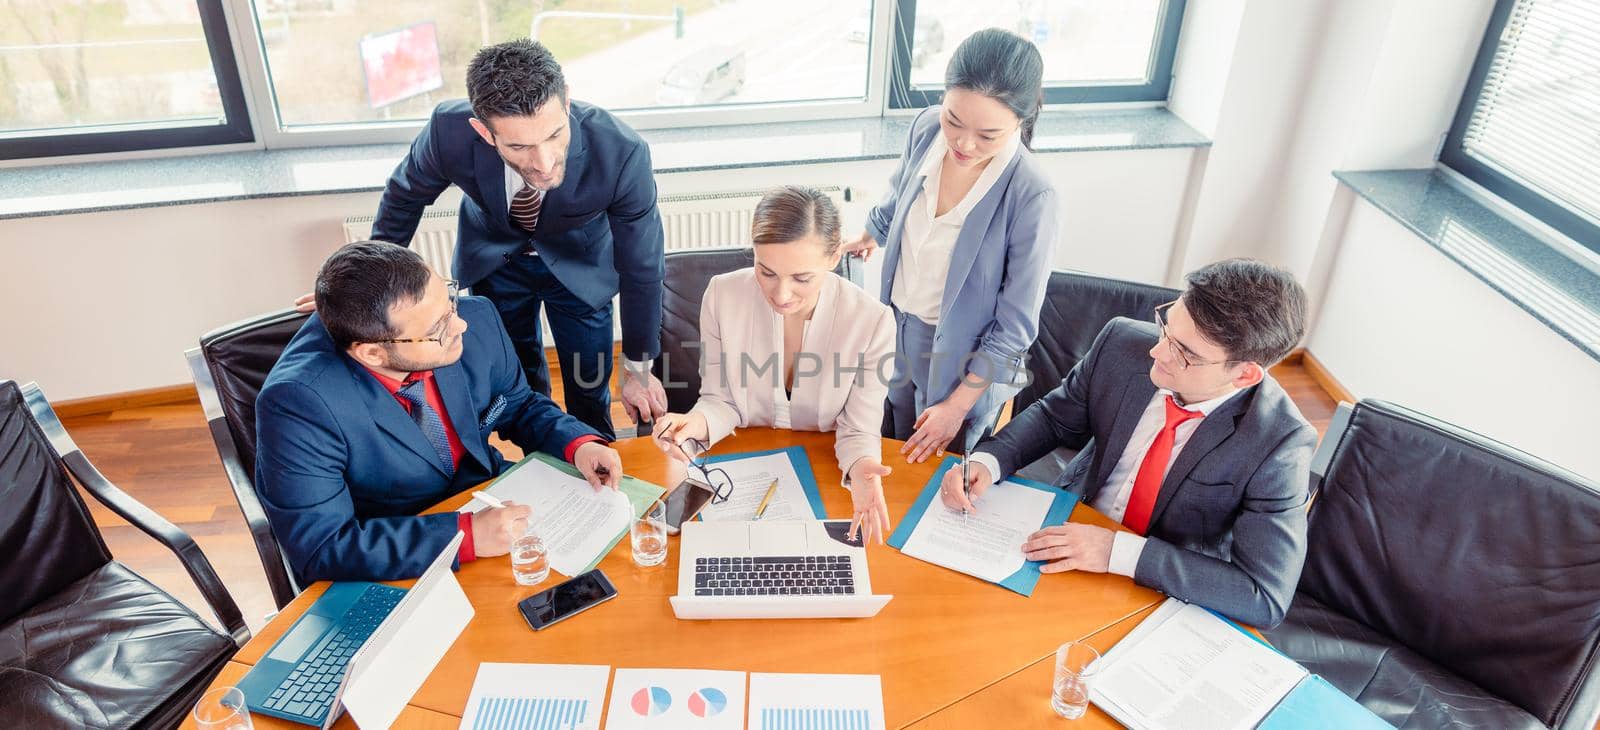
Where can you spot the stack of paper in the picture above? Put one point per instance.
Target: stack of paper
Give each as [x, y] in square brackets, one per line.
[796, 496]
[986, 543]
[536, 697]
[1184, 667]
[646, 699]
[816, 702]
[569, 697]
[578, 523]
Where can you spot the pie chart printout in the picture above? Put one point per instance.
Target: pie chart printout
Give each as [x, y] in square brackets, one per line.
[651, 701]
[707, 702]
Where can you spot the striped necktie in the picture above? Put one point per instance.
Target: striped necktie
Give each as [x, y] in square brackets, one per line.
[428, 420]
[525, 207]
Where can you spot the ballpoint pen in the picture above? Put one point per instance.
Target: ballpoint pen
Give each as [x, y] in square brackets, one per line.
[762, 508]
[966, 488]
[488, 499]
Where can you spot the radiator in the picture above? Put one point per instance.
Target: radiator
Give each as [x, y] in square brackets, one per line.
[435, 240]
[690, 221]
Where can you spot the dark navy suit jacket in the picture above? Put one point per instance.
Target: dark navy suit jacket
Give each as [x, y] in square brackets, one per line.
[342, 470]
[1229, 526]
[599, 231]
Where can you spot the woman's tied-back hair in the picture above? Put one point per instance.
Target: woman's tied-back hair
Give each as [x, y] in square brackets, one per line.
[1002, 66]
[792, 212]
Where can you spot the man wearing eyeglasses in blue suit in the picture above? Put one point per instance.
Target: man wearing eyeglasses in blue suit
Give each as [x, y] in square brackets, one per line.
[382, 406]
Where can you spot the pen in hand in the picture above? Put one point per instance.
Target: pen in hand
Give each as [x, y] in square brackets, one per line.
[488, 499]
[966, 489]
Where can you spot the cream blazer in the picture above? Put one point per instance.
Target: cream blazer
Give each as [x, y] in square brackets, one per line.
[841, 375]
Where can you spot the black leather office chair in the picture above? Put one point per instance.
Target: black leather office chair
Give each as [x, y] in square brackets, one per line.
[688, 275]
[1076, 307]
[1451, 581]
[85, 642]
[230, 366]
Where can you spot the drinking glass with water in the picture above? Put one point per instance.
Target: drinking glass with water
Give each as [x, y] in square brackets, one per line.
[648, 535]
[222, 708]
[1075, 665]
[530, 559]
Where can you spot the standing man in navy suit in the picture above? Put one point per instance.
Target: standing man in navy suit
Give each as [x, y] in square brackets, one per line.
[382, 405]
[558, 210]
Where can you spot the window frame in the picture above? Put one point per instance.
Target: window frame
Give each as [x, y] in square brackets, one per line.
[1453, 154]
[239, 61]
[134, 137]
[904, 95]
[275, 135]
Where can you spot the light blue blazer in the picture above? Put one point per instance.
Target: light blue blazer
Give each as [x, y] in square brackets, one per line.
[998, 270]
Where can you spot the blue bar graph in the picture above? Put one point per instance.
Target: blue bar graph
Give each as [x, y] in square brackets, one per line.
[806, 718]
[528, 713]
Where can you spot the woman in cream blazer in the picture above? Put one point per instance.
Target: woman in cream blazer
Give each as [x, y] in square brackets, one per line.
[787, 343]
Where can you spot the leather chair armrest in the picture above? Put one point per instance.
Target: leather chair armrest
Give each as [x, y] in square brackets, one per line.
[140, 516]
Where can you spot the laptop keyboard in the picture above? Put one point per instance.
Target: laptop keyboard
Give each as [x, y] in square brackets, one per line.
[808, 575]
[308, 690]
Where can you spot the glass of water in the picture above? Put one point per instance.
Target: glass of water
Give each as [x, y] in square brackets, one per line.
[1075, 665]
[649, 536]
[222, 708]
[530, 560]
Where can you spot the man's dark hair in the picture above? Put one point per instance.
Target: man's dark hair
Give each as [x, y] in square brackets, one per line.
[360, 282]
[513, 79]
[1255, 311]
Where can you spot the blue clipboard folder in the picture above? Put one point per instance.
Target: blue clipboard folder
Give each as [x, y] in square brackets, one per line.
[1026, 577]
[802, 468]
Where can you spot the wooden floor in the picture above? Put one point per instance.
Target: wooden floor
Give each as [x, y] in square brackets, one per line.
[164, 457]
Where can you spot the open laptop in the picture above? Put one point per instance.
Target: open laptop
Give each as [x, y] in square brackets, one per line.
[780, 569]
[302, 677]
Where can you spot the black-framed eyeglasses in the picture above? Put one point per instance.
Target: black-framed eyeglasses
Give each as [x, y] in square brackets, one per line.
[720, 481]
[1180, 352]
[453, 291]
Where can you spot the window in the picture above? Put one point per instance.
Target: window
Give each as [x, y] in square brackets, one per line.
[84, 76]
[1094, 51]
[1528, 127]
[337, 62]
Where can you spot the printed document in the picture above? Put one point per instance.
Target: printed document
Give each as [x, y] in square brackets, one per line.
[986, 543]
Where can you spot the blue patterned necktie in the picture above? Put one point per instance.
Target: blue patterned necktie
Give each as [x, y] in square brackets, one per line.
[428, 420]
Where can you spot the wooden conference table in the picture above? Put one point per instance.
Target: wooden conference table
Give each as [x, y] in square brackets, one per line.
[952, 651]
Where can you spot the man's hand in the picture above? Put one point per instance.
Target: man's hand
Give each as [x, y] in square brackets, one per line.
[305, 303]
[494, 529]
[978, 481]
[936, 426]
[600, 464]
[1071, 547]
[642, 393]
[871, 512]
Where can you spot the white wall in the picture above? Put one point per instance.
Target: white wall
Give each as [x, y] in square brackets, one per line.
[107, 302]
[1404, 323]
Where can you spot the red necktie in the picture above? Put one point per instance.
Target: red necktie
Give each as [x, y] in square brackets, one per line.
[1154, 467]
[525, 207]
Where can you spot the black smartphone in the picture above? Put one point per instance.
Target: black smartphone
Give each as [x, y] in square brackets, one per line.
[685, 502]
[565, 599]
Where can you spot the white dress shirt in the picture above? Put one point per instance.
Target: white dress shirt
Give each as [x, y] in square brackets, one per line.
[1112, 500]
[930, 239]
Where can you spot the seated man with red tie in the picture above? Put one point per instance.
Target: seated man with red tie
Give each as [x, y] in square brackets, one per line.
[382, 405]
[1195, 448]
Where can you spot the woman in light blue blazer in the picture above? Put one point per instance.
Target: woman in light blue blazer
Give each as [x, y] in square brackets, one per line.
[968, 229]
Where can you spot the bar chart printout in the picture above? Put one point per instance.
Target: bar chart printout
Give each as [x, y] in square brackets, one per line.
[536, 697]
[816, 702]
